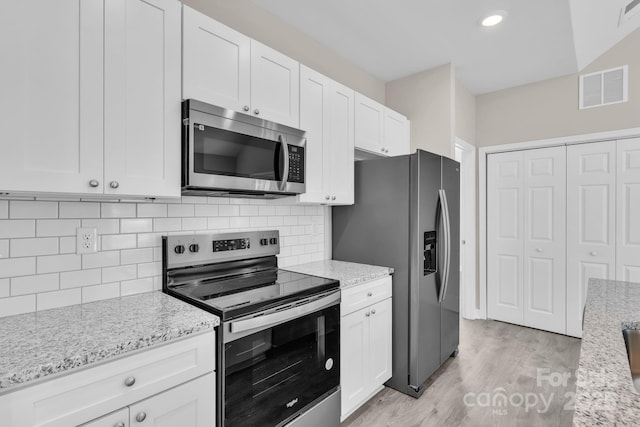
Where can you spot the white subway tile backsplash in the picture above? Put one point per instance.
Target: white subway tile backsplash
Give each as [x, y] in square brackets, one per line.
[101, 259]
[38, 243]
[76, 279]
[104, 226]
[152, 210]
[119, 241]
[57, 299]
[4, 209]
[14, 228]
[138, 225]
[137, 286]
[19, 209]
[136, 256]
[5, 289]
[34, 284]
[57, 263]
[12, 267]
[17, 305]
[33, 247]
[118, 210]
[117, 274]
[100, 292]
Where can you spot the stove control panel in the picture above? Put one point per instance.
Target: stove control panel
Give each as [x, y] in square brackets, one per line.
[194, 249]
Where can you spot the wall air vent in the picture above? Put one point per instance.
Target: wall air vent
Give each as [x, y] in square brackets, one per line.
[604, 87]
[629, 9]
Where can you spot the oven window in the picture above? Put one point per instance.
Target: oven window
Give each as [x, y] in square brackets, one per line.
[221, 152]
[273, 374]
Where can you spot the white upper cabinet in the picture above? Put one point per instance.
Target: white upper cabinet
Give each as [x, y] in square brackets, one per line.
[224, 67]
[51, 103]
[379, 129]
[216, 62]
[91, 97]
[326, 114]
[142, 97]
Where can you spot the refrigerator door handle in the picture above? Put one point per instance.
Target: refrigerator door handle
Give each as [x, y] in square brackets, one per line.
[442, 194]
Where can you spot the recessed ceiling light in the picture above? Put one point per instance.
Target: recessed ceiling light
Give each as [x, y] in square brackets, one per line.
[492, 19]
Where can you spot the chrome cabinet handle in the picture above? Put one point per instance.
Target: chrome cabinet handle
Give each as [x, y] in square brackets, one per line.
[373, 312]
[382, 149]
[594, 253]
[94, 183]
[333, 198]
[369, 293]
[141, 417]
[114, 184]
[119, 424]
[129, 381]
[538, 249]
[327, 197]
[367, 314]
[256, 111]
[245, 108]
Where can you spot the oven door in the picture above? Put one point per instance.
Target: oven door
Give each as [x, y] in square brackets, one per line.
[271, 375]
[227, 154]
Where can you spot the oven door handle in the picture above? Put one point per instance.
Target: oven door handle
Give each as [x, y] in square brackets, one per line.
[268, 320]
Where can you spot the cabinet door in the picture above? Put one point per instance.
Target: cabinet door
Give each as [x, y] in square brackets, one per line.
[380, 341]
[395, 133]
[628, 208]
[354, 360]
[341, 145]
[142, 97]
[505, 243]
[315, 113]
[545, 239]
[51, 102]
[216, 62]
[275, 87]
[189, 405]
[591, 183]
[369, 124]
[115, 419]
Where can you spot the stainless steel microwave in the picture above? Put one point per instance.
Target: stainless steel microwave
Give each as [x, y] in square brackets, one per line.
[226, 153]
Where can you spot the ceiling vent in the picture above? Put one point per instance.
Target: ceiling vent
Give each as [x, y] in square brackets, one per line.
[628, 10]
[604, 87]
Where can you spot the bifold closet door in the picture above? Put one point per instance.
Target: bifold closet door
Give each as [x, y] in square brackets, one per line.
[505, 243]
[628, 211]
[544, 286]
[591, 223]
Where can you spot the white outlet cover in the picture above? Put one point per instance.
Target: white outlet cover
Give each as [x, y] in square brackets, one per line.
[86, 240]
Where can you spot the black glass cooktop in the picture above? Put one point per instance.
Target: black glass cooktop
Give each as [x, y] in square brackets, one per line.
[237, 294]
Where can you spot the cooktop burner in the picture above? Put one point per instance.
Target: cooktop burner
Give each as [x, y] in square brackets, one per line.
[246, 279]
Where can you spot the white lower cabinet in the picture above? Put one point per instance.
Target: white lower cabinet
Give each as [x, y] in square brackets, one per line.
[365, 343]
[168, 385]
[188, 405]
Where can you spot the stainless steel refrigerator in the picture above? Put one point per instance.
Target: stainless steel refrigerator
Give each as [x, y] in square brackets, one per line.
[407, 216]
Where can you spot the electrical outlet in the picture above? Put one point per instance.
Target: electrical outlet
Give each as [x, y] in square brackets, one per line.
[86, 240]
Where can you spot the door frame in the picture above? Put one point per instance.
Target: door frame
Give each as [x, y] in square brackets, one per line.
[468, 288]
[481, 312]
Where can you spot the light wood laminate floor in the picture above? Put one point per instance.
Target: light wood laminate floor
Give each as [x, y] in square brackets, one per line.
[504, 375]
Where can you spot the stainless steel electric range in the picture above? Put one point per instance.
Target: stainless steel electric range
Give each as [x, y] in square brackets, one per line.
[278, 345]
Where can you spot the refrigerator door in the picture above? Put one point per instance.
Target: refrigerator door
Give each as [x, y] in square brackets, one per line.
[450, 305]
[424, 310]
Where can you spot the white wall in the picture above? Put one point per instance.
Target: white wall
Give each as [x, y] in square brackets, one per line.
[39, 268]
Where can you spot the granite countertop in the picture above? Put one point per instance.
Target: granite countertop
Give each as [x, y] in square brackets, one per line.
[49, 342]
[604, 390]
[348, 273]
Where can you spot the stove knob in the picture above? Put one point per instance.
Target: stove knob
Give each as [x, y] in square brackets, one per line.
[273, 240]
[264, 242]
[194, 247]
[179, 249]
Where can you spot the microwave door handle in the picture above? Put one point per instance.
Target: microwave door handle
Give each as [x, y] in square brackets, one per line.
[285, 153]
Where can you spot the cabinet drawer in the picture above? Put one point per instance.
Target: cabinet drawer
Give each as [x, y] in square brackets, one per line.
[80, 397]
[359, 296]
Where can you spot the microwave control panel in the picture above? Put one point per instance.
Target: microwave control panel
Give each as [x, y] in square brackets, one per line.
[296, 164]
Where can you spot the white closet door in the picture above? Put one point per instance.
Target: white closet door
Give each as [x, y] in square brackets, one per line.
[591, 250]
[505, 236]
[545, 239]
[628, 211]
